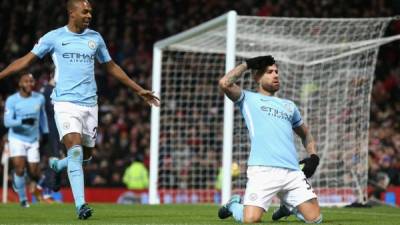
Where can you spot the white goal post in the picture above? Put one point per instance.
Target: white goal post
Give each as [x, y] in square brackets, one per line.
[326, 67]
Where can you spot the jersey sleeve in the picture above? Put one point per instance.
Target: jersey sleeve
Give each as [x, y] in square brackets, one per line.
[43, 46]
[241, 98]
[296, 119]
[9, 115]
[102, 53]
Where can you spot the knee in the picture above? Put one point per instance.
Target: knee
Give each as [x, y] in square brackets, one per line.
[251, 219]
[252, 214]
[311, 213]
[312, 216]
[316, 219]
[72, 139]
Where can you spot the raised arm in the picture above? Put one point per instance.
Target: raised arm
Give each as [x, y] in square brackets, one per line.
[227, 82]
[116, 71]
[18, 65]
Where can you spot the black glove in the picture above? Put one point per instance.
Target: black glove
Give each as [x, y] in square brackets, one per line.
[260, 62]
[310, 165]
[44, 139]
[28, 121]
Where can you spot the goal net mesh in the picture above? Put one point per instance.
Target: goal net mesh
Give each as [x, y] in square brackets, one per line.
[326, 67]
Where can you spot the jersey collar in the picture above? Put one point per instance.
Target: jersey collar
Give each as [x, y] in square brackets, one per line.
[67, 30]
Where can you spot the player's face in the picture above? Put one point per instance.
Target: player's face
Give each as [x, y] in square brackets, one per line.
[269, 81]
[27, 83]
[82, 14]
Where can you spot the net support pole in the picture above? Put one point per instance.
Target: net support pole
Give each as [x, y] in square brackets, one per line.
[5, 161]
[156, 83]
[5, 182]
[228, 110]
[155, 128]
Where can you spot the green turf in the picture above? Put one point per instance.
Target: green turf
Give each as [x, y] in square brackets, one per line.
[178, 214]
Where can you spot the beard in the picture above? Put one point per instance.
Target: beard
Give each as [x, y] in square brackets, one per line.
[27, 90]
[271, 88]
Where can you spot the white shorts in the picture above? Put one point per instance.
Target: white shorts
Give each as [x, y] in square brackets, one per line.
[73, 118]
[265, 182]
[26, 149]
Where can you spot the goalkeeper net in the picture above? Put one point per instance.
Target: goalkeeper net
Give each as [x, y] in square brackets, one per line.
[326, 67]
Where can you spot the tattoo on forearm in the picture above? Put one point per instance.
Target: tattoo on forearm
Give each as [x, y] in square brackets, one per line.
[232, 79]
[234, 74]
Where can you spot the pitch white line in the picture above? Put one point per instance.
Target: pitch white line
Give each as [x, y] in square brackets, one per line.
[365, 213]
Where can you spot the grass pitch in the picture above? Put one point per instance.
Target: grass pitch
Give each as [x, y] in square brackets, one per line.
[178, 214]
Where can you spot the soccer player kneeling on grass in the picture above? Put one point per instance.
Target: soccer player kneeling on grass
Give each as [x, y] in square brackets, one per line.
[273, 167]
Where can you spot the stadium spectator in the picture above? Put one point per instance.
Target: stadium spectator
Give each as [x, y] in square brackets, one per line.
[136, 176]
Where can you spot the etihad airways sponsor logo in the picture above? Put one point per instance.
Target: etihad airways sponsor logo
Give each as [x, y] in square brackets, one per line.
[78, 57]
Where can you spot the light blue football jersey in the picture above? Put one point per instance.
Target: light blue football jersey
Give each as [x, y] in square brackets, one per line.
[74, 56]
[18, 108]
[270, 121]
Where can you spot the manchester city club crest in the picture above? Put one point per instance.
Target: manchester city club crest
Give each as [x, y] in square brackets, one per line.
[66, 125]
[288, 107]
[92, 44]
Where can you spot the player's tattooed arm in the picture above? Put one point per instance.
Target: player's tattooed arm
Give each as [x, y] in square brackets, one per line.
[227, 82]
[232, 76]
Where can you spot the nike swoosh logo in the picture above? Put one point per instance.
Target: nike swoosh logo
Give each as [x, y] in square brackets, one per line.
[71, 171]
[265, 100]
[65, 43]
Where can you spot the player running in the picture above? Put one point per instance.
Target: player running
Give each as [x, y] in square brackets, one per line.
[26, 119]
[74, 49]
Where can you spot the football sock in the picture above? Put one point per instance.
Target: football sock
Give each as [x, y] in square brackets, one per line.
[75, 174]
[237, 211]
[19, 185]
[301, 217]
[318, 220]
[62, 163]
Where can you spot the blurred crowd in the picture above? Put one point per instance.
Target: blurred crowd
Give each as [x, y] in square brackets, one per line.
[131, 27]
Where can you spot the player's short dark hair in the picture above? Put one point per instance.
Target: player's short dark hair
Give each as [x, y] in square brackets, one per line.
[71, 4]
[258, 73]
[21, 74]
